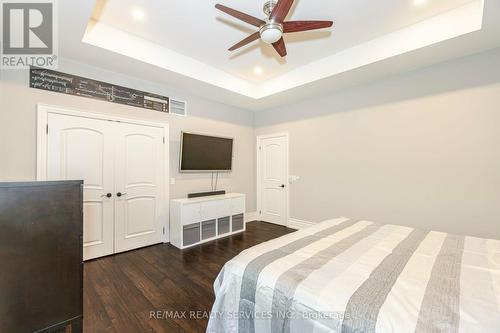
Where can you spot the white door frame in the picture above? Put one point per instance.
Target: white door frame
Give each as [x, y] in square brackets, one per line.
[43, 111]
[287, 182]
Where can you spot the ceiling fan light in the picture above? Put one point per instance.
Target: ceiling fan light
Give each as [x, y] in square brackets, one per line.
[271, 33]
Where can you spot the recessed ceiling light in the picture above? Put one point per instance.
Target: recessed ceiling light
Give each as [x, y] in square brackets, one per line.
[138, 14]
[419, 2]
[258, 70]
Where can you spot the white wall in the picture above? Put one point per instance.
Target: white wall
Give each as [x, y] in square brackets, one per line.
[421, 149]
[18, 128]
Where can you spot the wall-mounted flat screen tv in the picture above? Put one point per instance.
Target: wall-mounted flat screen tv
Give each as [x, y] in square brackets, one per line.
[205, 153]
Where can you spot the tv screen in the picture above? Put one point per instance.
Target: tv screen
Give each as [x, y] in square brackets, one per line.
[203, 153]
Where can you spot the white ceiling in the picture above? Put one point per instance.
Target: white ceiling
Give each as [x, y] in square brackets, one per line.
[196, 29]
[184, 43]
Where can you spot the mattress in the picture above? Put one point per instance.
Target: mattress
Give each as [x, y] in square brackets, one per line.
[346, 275]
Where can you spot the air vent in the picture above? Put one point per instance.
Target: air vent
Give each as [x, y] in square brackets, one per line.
[178, 107]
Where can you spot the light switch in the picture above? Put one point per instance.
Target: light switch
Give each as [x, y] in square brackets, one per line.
[172, 181]
[293, 179]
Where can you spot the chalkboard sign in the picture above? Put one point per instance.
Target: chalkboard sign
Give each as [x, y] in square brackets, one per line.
[50, 80]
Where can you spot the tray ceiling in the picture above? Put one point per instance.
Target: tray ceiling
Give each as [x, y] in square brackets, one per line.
[190, 38]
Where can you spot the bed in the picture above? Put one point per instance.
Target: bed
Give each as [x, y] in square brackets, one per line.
[346, 275]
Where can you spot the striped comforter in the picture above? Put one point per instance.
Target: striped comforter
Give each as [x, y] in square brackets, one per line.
[358, 276]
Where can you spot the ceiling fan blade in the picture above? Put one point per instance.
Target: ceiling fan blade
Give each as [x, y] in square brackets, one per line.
[245, 41]
[281, 10]
[241, 16]
[280, 47]
[297, 26]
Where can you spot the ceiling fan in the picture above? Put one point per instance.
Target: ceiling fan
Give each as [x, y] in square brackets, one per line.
[272, 28]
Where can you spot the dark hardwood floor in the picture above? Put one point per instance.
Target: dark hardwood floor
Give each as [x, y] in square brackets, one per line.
[121, 291]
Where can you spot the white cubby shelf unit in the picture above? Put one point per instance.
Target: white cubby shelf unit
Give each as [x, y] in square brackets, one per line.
[196, 221]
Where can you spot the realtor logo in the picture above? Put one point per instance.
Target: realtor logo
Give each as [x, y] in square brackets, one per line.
[28, 34]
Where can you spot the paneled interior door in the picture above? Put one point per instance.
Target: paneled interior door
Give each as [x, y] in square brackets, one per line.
[83, 149]
[273, 179]
[123, 167]
[139, 187]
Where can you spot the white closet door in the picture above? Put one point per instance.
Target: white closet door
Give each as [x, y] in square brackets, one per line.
[83, 148]
[140, 212]
[273, 179]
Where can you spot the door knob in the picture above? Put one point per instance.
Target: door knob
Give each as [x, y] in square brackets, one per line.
[119, 194]
[282, 186]
[108, 195]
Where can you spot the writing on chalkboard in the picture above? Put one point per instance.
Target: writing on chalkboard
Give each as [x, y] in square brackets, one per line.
[69, 84]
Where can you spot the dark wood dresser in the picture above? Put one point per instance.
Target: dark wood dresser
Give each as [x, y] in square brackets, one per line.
[41, 266]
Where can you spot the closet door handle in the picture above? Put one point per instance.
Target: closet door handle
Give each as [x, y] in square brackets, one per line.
[119, 194]
[108, 195]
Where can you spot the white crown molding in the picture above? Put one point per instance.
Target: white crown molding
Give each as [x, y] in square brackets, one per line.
[115, 40]
[452, 24]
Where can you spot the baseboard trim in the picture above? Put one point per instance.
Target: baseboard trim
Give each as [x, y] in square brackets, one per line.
[292, 223]
[251, 216]
[298, 224]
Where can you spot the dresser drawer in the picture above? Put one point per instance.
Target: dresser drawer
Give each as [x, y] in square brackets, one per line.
[237, 205]
[208, 210]
[224, 207]
[191, 213]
